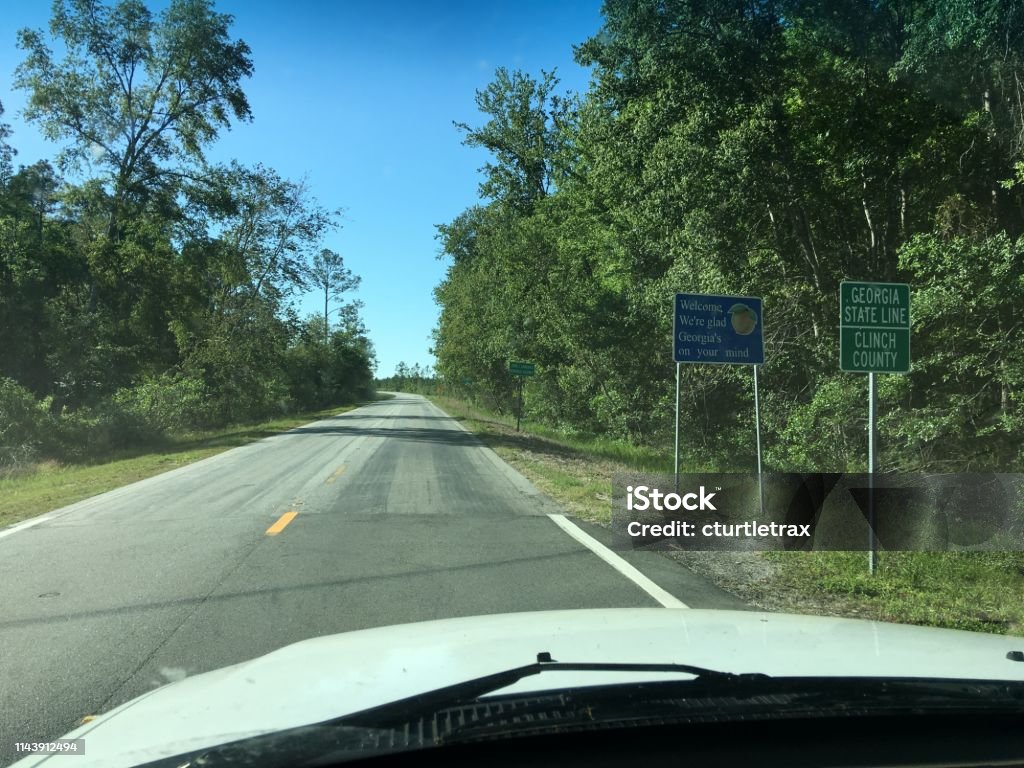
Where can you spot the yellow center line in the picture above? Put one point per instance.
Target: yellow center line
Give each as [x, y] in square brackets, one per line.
[336, 475]
[277, 527]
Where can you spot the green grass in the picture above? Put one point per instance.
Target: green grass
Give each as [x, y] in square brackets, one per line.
[978, 591]
[959, 590]
[53, 485]
[635, 458]
[641, 458]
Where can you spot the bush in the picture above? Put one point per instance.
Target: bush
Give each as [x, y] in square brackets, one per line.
[24, 426]
[91, 432]
[135, 416]
[167, 403]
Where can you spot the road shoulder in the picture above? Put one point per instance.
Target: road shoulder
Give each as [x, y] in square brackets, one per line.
[525, 468]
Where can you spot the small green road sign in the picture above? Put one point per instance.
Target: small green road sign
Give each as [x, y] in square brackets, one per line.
[522, 369]
[874, 327]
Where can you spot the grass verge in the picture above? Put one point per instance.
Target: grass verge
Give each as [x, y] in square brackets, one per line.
[977, 591]
[53, 485]
[958, 590]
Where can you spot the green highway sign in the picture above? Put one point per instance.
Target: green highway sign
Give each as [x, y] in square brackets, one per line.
[522, 369]
[874, 327]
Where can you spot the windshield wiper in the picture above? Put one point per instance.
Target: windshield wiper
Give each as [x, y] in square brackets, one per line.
[747, 697]
[471, 690]
[458, 714]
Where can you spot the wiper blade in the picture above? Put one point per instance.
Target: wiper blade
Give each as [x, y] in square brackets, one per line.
[749, 698]
[711, 697]
[471, 690]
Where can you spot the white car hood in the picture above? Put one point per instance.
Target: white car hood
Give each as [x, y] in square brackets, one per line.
[327, 677]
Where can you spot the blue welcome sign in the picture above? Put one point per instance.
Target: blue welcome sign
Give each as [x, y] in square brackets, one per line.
[722, 330]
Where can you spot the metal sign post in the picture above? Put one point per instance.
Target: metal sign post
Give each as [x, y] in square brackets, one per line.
[519, 411]
[757, 427]
[521, 370]
[676, 464]
[719, 330]
[872, 437]
[874, 337]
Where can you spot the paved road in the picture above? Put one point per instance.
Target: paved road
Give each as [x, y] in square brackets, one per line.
[400, 515]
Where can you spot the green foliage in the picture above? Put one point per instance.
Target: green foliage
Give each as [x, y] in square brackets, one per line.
[417, 380]
[524, 135]
[167, 403]
[770, 149]
[962, 403]
[135, 89]
[154, 296]
[6, 151]
[320, 374]
[329, 274]
[971, 591]
[100, 430]
[23, 426]
[827, 434]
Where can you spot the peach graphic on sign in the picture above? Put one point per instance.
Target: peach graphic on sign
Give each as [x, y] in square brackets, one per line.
[744, 319]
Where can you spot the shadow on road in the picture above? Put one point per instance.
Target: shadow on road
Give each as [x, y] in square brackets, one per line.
[411, 434]
[351, 425]
[567, 550]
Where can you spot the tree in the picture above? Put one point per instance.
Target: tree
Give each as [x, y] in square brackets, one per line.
[329, 274]
[970, 59]
[523, 133]
[268, 232]
[401, 373]
[252, 235]
[137, 96]
[31, 193]
[773, 148]
[35, 263]
[151, 293]
[6, 151]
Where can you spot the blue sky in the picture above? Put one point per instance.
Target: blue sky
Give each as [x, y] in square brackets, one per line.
[359, 99]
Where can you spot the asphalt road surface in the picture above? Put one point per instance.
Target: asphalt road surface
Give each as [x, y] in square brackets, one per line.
[387, 514]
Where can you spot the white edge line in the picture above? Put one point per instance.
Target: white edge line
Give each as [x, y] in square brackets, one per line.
[616, 562]
[664, 598]
[25, 524]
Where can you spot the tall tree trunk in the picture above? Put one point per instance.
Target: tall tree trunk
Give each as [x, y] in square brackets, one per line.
[1005, 389]
[986, 102]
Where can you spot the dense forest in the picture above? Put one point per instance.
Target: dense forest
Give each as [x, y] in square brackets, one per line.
[144, 290]
[765, 148]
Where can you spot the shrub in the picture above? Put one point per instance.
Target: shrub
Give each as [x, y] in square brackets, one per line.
[163, 404]
[24, 426]
[87, 433]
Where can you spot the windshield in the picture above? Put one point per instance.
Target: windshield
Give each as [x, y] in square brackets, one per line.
[318, 318]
